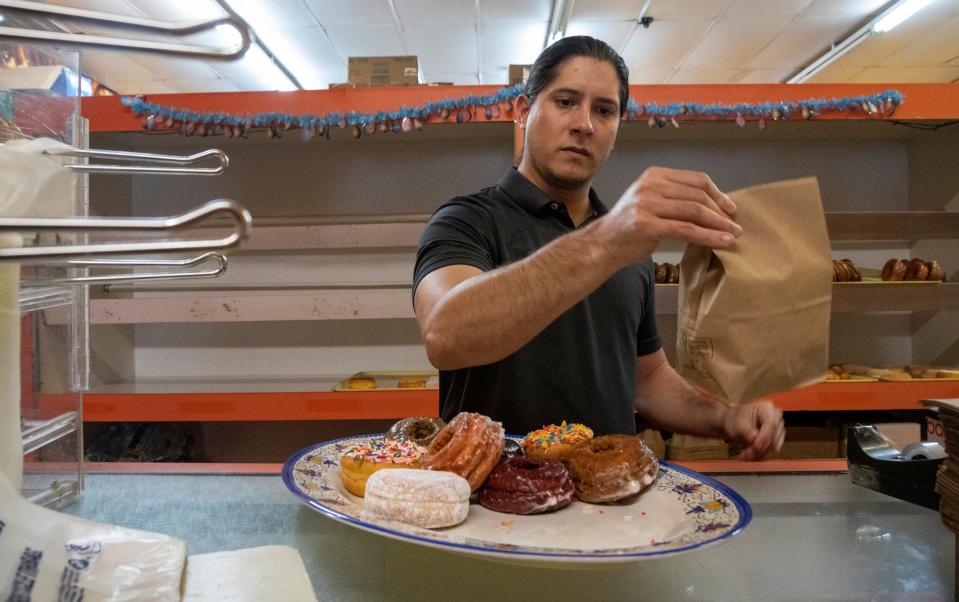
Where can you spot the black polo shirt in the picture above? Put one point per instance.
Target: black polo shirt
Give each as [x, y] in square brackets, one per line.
[582, 367]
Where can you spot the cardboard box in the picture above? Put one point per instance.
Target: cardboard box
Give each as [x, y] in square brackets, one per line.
[383, 70]
[518, 74]
[804, 442]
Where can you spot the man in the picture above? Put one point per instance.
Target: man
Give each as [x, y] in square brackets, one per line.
[536, 302]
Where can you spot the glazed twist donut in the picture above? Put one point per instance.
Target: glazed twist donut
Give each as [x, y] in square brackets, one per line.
[526, 486]
[916, 270]
[611, 467]
[470, 446]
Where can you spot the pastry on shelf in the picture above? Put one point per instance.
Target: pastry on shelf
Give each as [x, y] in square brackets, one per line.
[844, 270]
[361, 382]
[666, 273]
[912, 270]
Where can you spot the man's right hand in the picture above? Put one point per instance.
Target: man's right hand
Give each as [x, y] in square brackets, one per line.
[669, 204]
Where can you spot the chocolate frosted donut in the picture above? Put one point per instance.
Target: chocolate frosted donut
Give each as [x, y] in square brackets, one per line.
[611, 467]
[421, 430]
[526, 486]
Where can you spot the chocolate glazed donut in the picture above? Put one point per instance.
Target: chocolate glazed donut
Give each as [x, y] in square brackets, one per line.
[525, 486]
[420, 431]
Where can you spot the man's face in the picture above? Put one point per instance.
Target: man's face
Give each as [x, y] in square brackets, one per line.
[572, 125]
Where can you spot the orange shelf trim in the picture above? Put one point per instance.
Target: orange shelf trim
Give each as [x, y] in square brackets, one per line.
[922, 101]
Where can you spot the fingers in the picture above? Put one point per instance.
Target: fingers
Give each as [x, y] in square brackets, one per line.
[698, 179]
[701, 211]
[771, 431]
[689, 232]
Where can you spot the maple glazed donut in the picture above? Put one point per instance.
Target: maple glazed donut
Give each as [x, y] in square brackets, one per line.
[420, 430]
[526, 486]
[611, 467]
[360, 462]
[556, 442]
[470, 446]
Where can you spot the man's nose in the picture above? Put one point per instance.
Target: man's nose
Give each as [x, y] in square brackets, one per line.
[582, 123]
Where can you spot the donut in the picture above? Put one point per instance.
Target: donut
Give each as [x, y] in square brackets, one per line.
[420, 430]
[526, 486]
[555, 442]
[894, 270]
[935, 272]
[611, 467]
[423, 498]
[854, 275]
[916, 270]
[361, 382]
[412, 382]
[470, 446]
[672, 274]
[660, 273]
[359, 463]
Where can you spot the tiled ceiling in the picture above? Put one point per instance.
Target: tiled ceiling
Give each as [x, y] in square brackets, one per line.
[473, 41]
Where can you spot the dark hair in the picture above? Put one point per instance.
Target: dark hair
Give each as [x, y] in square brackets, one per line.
[544, 69]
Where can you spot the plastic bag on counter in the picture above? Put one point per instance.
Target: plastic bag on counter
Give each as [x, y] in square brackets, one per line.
[49, 556]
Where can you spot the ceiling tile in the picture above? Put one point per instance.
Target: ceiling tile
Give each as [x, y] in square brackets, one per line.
[661, 10]
[307, 53]
[119, 7]
[275, 13]
[200, 85]
[937, 47]
[252, 72]
[436, 11]
[108, 67]
[507, 44]
[613, 33]
[361, 40]
[497, 77]
[802, 41]
[844, 8]
[514, 10]
[764, 9]
[144, 87]
[698, 76]
[351, 12]
[835, 75]
[175, 10]
[164, 67]
[606, 10]
[732, 43]
[447, 49]
[649, 75]
[766, 76]
[894, 75]
[664, 44]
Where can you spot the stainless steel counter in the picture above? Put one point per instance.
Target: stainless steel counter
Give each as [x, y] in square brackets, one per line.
[813, 537]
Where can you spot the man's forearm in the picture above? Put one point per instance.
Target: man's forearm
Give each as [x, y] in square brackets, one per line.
[668, 401]
[491, 315]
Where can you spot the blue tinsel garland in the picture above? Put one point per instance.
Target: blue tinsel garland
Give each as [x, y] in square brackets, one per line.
[162, 116]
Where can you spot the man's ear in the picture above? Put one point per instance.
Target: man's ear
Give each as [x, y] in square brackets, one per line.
[523, 104]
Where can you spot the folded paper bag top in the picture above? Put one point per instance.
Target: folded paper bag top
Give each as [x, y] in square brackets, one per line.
[754, 318]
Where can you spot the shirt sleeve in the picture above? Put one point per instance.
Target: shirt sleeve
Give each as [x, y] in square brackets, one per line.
[459, 233]
[647, 337]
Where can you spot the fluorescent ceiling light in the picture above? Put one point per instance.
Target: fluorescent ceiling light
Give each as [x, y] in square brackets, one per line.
[262, 17]
[267, 73]
[884, 22]
[898, 14]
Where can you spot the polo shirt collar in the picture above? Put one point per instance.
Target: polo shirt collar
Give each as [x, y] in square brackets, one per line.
[531, 198]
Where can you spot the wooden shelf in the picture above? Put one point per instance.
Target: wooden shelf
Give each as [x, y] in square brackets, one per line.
[895, 297]
[923, 101]
[175, 402]
[892, 225]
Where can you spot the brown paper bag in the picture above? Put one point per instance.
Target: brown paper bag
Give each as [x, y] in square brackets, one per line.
[754, 319]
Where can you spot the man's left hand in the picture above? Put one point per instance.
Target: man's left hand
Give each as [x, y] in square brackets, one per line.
[757, 426]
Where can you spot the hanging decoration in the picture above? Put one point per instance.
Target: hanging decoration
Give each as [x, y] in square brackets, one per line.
[467, 108]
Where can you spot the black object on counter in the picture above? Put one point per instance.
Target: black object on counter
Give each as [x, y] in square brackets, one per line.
[875, 464]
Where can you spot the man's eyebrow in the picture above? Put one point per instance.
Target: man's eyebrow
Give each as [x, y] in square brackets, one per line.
[578, 94]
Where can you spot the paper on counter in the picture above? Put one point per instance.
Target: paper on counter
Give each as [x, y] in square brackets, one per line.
[249, 575]
[11, 439]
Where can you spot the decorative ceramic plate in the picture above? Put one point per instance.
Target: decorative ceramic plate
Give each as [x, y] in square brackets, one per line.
[680, 512]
